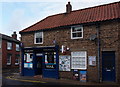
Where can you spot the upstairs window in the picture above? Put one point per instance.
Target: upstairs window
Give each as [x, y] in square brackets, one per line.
[38, 38]
[9, 45]
[17, 47]
[76, 32]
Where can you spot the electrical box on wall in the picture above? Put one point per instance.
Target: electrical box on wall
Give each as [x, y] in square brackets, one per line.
[64, 49]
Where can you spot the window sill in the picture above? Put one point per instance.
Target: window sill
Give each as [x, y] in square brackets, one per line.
[17, 50]
[38, 43]
[77, 38]
[9, 49]
[16, 64]
[8, 63]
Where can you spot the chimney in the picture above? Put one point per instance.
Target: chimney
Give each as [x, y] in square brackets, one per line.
[68, 8]
[14, 35]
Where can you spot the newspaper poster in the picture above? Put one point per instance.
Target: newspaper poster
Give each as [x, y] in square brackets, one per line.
[64, 63]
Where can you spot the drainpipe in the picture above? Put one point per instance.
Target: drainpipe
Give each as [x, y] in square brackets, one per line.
[98, 49]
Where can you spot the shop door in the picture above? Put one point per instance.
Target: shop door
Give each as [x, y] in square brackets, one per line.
[50, 65]
[39, 64]
[108, 66]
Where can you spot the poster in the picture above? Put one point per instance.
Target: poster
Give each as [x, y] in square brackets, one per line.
[64, 63]
[28, 58]
[83, 76]
[92, 60]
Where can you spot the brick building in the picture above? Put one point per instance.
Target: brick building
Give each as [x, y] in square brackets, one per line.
[88, 40]
[10, 51]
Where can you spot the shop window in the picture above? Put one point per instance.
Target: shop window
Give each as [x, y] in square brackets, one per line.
[50, 60]
[9, 45]
[17, 59]
[79, 60]
[76, 32]
[17, 47]
[38, 38]
[9, 56]
[28, 60]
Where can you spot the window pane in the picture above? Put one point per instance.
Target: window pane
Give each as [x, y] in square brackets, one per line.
[75, 29]
[9, 45]
[17, 47]
[50, 57]
[79, 34]
[38, 40]
[28, 60]
[39, 34]
[74, 35]
[78, 60]
[17, 59]
[9, 59]
[38, 37]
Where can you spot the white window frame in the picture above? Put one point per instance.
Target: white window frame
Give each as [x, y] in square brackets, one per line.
[17, 47]
[35, 38]
[9, 47]
[18, 60]
[84, 68]
[76, 32]
[10, 56]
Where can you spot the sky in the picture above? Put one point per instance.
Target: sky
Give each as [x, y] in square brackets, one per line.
[16, 15]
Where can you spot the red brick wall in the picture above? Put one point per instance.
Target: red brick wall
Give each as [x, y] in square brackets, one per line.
[5, 53]
[108, 36]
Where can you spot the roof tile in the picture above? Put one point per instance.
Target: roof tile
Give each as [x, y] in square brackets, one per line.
[93, 14]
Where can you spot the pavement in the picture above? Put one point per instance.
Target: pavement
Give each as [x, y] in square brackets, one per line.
[39, 79]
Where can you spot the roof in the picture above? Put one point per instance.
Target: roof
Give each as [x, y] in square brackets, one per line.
[92, 14]
[5, 37]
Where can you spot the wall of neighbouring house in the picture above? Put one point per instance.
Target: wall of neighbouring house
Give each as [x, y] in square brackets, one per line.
[5, 53]
[108, 37]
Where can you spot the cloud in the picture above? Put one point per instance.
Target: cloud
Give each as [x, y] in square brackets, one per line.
[17, 18]
[92, 1]
[36, 10]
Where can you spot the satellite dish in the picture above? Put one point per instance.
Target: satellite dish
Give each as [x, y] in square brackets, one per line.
[93, 37]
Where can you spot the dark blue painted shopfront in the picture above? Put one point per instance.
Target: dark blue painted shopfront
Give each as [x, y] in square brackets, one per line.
[40, 61]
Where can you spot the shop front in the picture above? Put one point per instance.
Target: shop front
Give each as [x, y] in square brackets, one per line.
[40, 61]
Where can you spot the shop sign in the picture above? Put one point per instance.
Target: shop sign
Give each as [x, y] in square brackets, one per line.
[28, 51]
[50, 66]
[46, 50]
[39, 54]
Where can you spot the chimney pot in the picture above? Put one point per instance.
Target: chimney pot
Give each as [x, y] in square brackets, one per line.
[14, 35]
[68, 8]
